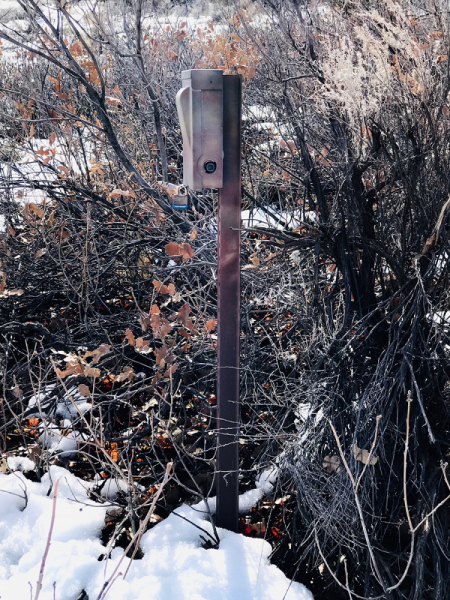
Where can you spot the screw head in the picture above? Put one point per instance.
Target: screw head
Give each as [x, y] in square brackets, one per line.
[210, 166]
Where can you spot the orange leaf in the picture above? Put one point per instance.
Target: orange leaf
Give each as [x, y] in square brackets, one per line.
[160, 287]
[186, 251]
[154, 310]
[173, 249]
[76, 49]
[211, 324]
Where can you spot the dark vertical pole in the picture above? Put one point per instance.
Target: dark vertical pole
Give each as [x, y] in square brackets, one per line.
[228, 303]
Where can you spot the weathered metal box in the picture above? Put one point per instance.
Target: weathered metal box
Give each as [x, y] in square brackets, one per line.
[200, 110]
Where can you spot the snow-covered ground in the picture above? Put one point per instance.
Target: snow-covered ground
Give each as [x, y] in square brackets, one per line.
[174, 566]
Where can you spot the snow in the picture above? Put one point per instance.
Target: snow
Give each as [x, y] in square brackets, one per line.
[109, 488]
[20, 463]
[55, 440]
[175, 565]
[66, 406]
[264, 486]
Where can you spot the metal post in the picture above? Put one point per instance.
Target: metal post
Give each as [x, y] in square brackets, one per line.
[228, 305]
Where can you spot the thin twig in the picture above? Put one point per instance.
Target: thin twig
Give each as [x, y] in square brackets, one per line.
[47, 546]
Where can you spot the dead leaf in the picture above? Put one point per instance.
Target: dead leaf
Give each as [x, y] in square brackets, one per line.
[191, 326]
[63, 374]
[210, 325]
[171, 370]
[40, 252]
[17, 392]
[331, 463]
[363, 456]
[76, 49]
[179, 250]
[193, 233]
[140, 343]
[130, 337]
[91, 372]
[171, 289]
[99, 352]
[172, 249]
[128, 373]
[84, 390]
[145, 322]
[160, 287]
[165, 329]
[183, 314]
[155, 310]
[160, 354]
[64, 169]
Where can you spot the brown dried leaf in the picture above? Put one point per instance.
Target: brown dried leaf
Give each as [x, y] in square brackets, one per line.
[140, 343]
[210, 325]
[76, 49]
[155, 321]
[63, 374]
[165, 329]
[155, 310]
[160, 287]
[40, 252]
[17, 392]
[91, 372]
[99, 352]
[186, 251]
[191, 326]
[331, 463]
[171, 289]
[171, 370]
[84, 390]
[64, 169]
[193, 234]
[130, 337]
[183, 314]
[145, 323]
[128, 373]
[161, 354]
[363, 456]
[173, 249]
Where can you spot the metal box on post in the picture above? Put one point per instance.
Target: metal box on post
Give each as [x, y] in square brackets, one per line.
[200, 109]
[209, 108]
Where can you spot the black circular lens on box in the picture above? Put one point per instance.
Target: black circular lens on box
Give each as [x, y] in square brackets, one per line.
[210, 166]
